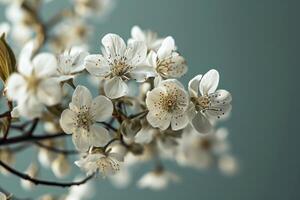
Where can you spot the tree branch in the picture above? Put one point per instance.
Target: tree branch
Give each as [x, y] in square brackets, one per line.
[25, 138]
[43, 182]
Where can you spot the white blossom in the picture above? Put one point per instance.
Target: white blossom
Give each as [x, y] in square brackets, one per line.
[60, 166]
[32, 86]
[90, 8]
[168, 104]
[150, 38]
[166, 62]
[209, 102]
[117, 63]
[107, 163]
[70, 63]
[82, 119]
[157, 179]
[81, 192]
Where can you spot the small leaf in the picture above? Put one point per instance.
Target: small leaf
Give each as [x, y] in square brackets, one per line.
[7, 59]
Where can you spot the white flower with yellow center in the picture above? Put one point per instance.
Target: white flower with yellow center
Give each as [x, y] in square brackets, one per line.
[209, 102]
[168, 104]
[150, 38]
[32, 86]
[117, 64]
[107, 163]
[70, 63]
[82, 117]
[166, 62]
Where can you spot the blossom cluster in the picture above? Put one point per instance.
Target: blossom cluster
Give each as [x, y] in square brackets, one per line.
[122, 105]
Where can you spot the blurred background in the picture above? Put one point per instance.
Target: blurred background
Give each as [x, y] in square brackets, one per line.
[254, 45]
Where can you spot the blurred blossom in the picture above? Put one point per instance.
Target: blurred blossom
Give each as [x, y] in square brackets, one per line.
[2, 196]
[31, 171]
[88, 8]
[228, 165]
[61, 166]
[7, 157]
[4, 28]
[157, 180]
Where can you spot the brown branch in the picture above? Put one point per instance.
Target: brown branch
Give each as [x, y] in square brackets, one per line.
[43, 182]
[26, 138]
[5, 114]
[10, 106]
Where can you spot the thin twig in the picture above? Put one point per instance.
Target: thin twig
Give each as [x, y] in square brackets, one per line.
[43, 182]
[26, 138]
[109, 126]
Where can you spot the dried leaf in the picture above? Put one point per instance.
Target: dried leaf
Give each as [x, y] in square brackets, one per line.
[7, 60]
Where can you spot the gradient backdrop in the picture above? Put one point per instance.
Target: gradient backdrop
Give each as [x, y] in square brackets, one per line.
[254, 44]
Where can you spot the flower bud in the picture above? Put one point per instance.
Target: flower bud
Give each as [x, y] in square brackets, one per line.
[7, 60]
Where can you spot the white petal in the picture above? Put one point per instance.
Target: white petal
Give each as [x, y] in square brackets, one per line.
[115, 88]
[81, 140]
[142, 73]
[16, 86]
[153, 97]
[137, 34]
[45, 64]
[152, 59]
[81, 97]
[30, 107]
[178, 67]
[101, 108]
[194, 85]
[136, 53]
[220, 104]
[79, 55]
[167, 46]
[209, 82]
[49, 91]
[25, 66]
[114, 45]
[97, 65]
[98, 136]
[67, 121]
[201, 123]
[162, 121]
[179, 121]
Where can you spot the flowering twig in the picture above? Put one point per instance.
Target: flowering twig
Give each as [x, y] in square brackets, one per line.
[43, 182]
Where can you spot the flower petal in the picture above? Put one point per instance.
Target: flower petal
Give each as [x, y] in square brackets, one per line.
[136, 53]
[25, 66]
[114, 45]
[30, 107]
[179, 121]
[115, 88]
[82, 97]
[142, 73]
[16, 87]
[137, 33]
[81, 140]
[101, 108]
[98, 136]
[166, 48]
[162, 121]
[44, 64]
[201, 123]
[97, 65]
[67, 121]
[209, 82]
[49, 92]
[194, 85]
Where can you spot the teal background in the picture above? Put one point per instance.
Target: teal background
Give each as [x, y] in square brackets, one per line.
[255, 46]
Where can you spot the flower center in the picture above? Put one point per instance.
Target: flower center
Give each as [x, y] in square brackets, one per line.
[84, 120]
[202, 102]
[107, 165]
[119, 67]
[32, 83]
[163, 67]
[169, 103]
